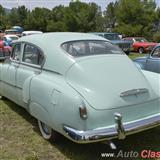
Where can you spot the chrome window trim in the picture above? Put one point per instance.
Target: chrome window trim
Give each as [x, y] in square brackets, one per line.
[29, 64]
[73, 57]
[151, 55]
[11, 59]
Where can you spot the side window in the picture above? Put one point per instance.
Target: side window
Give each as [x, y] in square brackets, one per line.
[156, 53]
[32, 55]
[16, 52]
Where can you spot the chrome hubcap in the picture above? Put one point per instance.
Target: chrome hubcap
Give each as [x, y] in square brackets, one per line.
[46, 129]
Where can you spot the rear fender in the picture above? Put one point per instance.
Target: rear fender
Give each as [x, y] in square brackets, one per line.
[39, 112]
[154, 80]
[26, 89]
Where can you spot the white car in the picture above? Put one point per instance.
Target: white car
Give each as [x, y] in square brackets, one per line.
[27, 33]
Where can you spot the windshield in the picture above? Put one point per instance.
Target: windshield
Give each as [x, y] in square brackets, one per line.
[112, 36]
[13, 38]
[11, 32]
[90, 47]
[140, 40]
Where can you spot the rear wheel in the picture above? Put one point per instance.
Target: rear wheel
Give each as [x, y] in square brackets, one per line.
[47, 132]
[141, 50]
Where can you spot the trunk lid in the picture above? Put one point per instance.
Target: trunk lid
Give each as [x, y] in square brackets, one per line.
[109, 81]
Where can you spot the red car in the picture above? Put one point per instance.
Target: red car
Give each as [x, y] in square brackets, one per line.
[4, 50]
[140, 44]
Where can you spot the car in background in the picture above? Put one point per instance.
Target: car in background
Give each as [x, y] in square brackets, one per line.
[81, 86]
[140, 44]
[13, 31]
[27, 33]
[18, 28]
[151, 62]
[1, 33]
[5, 50]
[1, 50]
[115, 38]
[9, 38]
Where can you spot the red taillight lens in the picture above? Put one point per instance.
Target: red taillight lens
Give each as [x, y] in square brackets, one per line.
[83, 112]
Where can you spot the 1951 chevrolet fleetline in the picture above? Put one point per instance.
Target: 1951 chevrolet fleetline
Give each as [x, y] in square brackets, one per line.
[81, 86]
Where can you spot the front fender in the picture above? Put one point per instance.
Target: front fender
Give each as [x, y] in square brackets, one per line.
[154, 80]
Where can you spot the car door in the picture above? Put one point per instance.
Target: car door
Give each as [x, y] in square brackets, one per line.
[9, 70]
[30, 66]
[153, 61]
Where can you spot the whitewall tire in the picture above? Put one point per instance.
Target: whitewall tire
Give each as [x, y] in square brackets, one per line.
[47, 132]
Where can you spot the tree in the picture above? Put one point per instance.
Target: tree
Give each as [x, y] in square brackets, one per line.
[81, 17]
[110, 18]
[37, 19]
[2, 17]
[56, 23]
[17, 16]
[135, 17]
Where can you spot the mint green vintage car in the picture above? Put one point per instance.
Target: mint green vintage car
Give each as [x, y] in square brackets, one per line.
[81, 86]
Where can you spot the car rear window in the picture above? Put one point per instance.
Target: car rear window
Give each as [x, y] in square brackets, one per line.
[112, 36]
[90, 47]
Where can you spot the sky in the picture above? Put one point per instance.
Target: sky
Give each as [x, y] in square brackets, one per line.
[30, 4]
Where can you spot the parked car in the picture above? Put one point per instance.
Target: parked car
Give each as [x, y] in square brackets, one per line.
[27, 33]
[1, 33]
[5, 50]
[150, 62]
[1, 52]
[81, 86]
[9, 38]
[115, 39]
[140, 44]
[18, 28]
[13, 31]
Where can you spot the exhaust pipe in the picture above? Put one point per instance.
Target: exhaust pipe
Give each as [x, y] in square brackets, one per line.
[111, 144]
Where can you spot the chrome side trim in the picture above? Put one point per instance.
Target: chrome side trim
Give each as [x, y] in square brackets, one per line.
[134, 92]
[108, 133]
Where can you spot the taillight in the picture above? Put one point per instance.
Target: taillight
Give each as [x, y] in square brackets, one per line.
[83, 112]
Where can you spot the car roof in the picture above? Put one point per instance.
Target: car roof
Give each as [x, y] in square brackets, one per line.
[11, 30]
[31, 32]
[60, 37]
[10, 35]
[50, 43]
[104, 33]
[133, 37]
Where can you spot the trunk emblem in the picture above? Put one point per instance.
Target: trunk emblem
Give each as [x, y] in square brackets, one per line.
[134, 92]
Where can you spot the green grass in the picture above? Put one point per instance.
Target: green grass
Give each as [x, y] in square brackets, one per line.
[134, 55]
[20, 140]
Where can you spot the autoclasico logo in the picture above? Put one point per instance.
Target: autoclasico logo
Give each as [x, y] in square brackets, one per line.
[133, 154]
[150, 154]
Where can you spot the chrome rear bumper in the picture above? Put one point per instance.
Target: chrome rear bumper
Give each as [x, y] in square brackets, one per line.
[119, 130]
